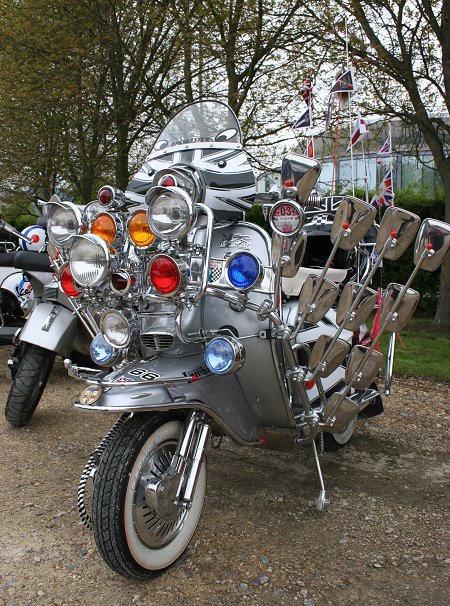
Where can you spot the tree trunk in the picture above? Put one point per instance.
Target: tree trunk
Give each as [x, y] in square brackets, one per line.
[442, 317]
[122, 169]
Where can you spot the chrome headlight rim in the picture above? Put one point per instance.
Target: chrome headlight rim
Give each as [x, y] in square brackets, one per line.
[107, 260]
[131, 320]
[259, 275]
[118, 226]
[52, 208]
[176, 232]
[185, 179]
[153, 243]
[183, 274]
[237, 358]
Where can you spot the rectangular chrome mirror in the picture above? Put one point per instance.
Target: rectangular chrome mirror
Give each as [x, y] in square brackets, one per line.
[362, 311]
[433, 236]
[403, 311]
[339, 412]
[357, 217]
[400, 224]
[362, 368]
[314, 310]
[326, 365]
[303, 172]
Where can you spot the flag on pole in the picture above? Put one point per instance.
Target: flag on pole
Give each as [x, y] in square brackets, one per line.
[359, 131]
[386, 148]
[385, 193]
[345, 83]
[306, 91]
[305, 120]
[309, 152]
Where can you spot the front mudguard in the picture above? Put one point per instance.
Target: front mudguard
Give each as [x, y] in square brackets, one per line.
[168, 383]
[52, 327]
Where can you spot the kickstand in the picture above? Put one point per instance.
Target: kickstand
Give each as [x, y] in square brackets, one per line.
[322, 501]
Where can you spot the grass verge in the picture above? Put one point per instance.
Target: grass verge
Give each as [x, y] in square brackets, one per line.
[425, 351]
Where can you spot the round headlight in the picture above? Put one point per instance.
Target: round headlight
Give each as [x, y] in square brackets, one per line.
[89, 260]
[63, 223]
[102, 352]
[170, 212]
[139, 230]
[104, 225]
[119, 328]
[224, 355]
[244, 270]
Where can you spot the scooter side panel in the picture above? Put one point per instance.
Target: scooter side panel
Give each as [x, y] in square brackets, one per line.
[52, 327]
[221, 397]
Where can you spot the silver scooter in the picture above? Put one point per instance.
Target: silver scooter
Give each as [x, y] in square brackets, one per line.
[198, 338]
[50, 328]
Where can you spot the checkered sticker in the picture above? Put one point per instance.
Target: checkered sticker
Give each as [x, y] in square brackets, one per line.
[215, 271]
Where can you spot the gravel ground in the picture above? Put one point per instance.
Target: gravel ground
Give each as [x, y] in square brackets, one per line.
[384, 540]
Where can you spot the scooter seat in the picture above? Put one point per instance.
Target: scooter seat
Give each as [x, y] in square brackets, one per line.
[292, 286]
[7, 259]
[29, 260]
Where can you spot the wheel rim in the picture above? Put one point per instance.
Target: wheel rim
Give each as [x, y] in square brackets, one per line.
[155, 528]
[343, 436]
[176, 540]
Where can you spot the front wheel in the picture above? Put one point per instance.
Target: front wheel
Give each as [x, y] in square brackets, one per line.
[28, 384]
[135, 539]
[337, 440]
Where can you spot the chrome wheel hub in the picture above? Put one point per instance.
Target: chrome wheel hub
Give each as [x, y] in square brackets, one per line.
[158, 518]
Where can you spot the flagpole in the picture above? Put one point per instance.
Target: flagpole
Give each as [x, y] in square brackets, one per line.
[349, 107]
[366, 188]
[390, 157]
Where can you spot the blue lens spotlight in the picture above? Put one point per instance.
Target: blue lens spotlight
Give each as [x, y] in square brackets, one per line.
[244, 271]
[224, 355]
[102, 353]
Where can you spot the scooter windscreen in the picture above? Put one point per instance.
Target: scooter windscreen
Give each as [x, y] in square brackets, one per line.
[207, 137]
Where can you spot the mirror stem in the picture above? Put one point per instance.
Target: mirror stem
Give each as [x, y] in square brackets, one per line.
[426, 253]
[302, 317]
[390, 243]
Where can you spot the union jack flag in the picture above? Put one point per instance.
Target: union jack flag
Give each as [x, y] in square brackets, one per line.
[306, 91]
[385, 193]
[386, 148]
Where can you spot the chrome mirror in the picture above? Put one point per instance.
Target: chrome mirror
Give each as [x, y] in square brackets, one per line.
[339, 411]
[362, 367]
[354, 217]
[399, 224]
[395, 322]
[303, 172]
[289, 252]
[433, 236]
[351, 291]
[326, 365]
[314, 310]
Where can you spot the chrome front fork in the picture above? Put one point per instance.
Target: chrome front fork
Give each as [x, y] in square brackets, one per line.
[179, 482]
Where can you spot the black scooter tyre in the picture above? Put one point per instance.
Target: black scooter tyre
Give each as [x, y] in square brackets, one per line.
[119, 510]
[28, 385]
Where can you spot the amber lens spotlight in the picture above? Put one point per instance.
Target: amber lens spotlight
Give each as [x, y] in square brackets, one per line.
[139, 230]
[104, 226]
